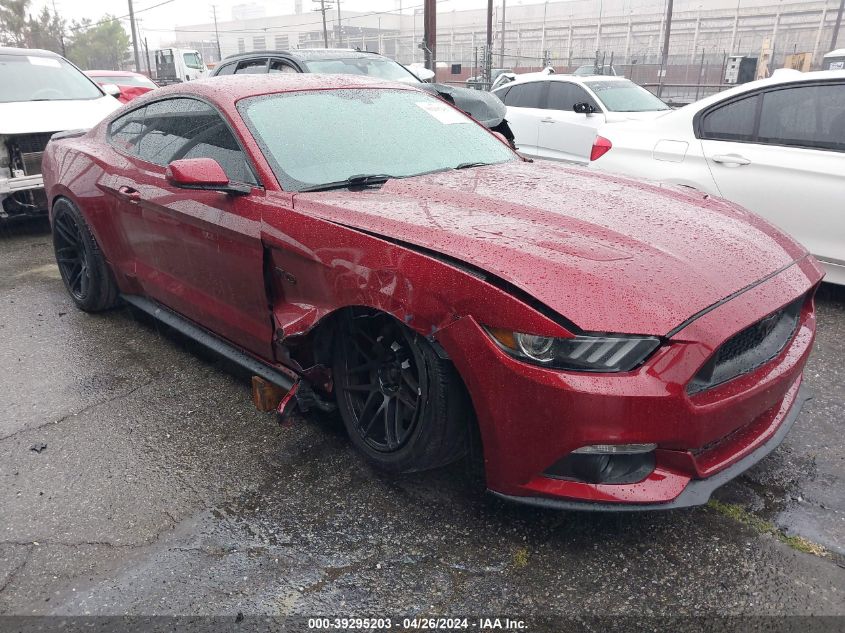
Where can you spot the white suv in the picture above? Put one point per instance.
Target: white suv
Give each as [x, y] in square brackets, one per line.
[41, 93]
[775, 146]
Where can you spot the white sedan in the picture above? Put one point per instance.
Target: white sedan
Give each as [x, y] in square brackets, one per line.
[775, 146]
[557, 116]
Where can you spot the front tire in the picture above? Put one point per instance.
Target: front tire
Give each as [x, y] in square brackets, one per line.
[403, 406]
[83, 267]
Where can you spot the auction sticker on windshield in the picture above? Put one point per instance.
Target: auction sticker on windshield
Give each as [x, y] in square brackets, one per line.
[442, 112]
[44, 61]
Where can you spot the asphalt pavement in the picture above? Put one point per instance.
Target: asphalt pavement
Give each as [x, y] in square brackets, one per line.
[136, 477]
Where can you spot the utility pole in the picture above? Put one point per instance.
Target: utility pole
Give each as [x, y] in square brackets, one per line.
[836, 26]
[323, 10]
[502, 43]
[134, 37]
[430, 34]
[216, 32]
[339, 34]
[664, 58]
[147, 58]
[488, 53]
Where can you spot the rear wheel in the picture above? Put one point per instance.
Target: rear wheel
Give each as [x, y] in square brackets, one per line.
[403, 406]
[83, 268]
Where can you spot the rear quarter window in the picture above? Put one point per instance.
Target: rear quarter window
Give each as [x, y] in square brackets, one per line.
[734, 121]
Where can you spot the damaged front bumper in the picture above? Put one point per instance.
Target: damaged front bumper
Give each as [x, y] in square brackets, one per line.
[22, 196]
[531, 419]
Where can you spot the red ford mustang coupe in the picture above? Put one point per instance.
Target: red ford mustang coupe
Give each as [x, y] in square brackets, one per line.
[617, 345]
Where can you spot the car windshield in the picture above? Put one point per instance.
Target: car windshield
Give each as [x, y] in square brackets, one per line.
[127, 80]
[318, 137]
[625, 96]
[372, 66]
[34, 78]
[192, 60]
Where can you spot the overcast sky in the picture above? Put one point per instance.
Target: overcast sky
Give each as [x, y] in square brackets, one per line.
[158, 22]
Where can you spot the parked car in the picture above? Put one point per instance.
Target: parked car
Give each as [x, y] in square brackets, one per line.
[482, 106]
[478, 83]
[775, 146]
[371, 248]
[40, 93]
[556, 116]
[131, 84]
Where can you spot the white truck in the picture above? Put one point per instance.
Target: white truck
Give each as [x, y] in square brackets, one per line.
[41, 93]
[174, 65]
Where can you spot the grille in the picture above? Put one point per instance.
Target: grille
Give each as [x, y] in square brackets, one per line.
[749, 349]
[28, 149]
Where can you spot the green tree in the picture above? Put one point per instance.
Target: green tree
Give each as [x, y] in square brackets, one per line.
[13, 22]
[100, 45]
[47, 31]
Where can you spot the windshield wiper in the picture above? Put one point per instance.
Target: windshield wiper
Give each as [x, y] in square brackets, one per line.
[361, 181]
[468, 165]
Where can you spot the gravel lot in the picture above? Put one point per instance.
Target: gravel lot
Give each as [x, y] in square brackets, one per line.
[161, 490]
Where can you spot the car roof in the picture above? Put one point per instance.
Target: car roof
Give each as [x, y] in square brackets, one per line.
[29, 52]
[306, 54]
[228, 89]
[113, 73]
[541, 76]
[780, 76]
[839, 52]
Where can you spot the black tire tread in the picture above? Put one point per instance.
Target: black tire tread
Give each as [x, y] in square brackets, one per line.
[103, 293]
[442, 437]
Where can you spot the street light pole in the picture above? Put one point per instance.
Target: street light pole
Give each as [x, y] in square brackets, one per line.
[488, 53]
[134, 37]
[502, 43]
[216, 32]
[664, 58]
[836, 26]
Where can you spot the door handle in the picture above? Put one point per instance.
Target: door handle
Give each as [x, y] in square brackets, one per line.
[730, 159]
[128, 193]
[548, 120]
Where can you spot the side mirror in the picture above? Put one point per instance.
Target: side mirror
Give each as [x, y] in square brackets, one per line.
[111, 89]
[204, 174]
[584, 108]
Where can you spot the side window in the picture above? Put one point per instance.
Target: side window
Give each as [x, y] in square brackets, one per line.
[186, 128]
[564, 95]
[804, 116]
[280, 66]
[252, 67]
[228, 69]
[528, 95]
[732, 122]
[502, 93]
[125, 132]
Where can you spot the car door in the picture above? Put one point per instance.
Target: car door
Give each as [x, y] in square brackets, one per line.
[525, 110]
[781, 153]
[566, 134]
[197, 252]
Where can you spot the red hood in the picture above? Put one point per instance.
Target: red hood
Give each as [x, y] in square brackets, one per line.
[610, 254]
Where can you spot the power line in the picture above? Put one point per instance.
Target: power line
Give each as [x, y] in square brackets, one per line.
[122, 17]
[290, 26]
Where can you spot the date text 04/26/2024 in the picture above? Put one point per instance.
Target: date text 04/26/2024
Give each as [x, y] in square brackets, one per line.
[422, 624]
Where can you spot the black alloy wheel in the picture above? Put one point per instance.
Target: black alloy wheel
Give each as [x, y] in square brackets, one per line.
[71, 256]
[403, 405]
[82, 265]
[382, 384]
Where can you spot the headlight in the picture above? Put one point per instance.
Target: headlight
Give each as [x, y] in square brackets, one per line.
[585, 352]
